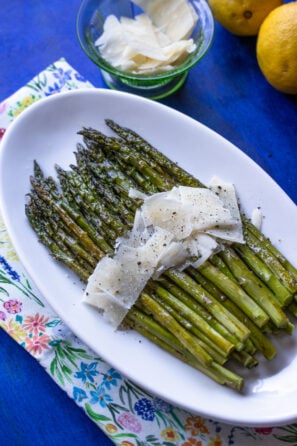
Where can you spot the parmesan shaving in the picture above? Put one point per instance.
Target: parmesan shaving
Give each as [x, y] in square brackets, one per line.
[152, 42]
[173, 229]
[176, 18]
[226, 193]
[257, 218]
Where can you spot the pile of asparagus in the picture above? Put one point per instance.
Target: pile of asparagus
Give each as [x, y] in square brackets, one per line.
[213, 317]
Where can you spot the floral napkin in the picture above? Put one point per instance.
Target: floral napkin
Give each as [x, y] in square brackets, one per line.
[127, 414]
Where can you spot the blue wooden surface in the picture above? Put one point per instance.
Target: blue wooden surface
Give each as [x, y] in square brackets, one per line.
[226, 91]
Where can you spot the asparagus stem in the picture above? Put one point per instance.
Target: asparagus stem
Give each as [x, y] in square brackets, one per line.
[127, 155]
[293, 308]
[55, 250]
[210, 303]
[136, 317]
[162, 316]
[215, 371]
[255, 288]
[71, 248]
[141, 319]
[265, 274]
[142, 146]
[195, 319]
[235, 293]
[76, 223]
[201, 311]
[265, 242]
[245, 359]
[87, 199]
[272, 262]
[257, 337]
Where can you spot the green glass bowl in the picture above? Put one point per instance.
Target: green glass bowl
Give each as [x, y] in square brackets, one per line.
[89, 25]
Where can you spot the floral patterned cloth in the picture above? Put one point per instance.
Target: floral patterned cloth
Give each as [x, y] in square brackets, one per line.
[127, 414]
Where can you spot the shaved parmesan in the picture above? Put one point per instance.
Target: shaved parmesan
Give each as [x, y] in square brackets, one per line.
[173, 229]
[226, 193]
[257, 218]
[152, 42]
[176, 18]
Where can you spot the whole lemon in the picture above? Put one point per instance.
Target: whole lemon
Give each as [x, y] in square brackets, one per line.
[277, 48]
[242, 17]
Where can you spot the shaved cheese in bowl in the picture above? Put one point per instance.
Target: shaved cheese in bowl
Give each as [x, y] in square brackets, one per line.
[173, 229]
[152, 42]
[176, 18]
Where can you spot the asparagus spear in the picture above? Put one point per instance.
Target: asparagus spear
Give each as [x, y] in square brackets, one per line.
[255, 288]
[232, 290]
[264, 242]
[261, 342]
[214, 371]
[142, 146]
[272, 262]
[188, 340]
[55, 250]
[185, 298]
[127, 156]
[201, 323]
[84, 194]
[257, 265]
[72, 219]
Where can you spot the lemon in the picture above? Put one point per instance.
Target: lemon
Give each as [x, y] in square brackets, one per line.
[277, 48]
[242, 17]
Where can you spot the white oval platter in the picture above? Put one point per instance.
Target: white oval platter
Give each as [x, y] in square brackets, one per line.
[47, 132]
